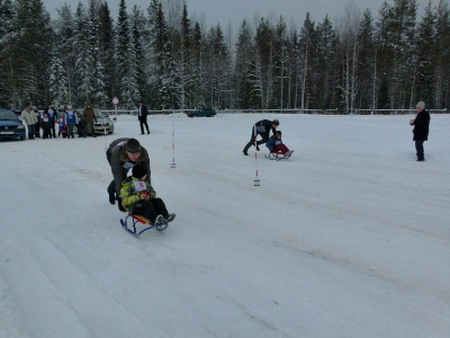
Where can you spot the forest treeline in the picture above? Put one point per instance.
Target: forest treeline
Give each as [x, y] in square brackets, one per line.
[157, 54]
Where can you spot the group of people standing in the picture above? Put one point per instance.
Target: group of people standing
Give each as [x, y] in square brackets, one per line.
[62, 122]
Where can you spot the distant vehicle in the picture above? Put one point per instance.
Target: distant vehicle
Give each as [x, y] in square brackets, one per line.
[10, 125]
[208, 112]
[104, 123]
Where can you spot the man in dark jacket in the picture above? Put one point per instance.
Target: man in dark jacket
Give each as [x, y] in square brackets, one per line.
[262, 128]
[142, 116]
[421, 126]
[123, 154]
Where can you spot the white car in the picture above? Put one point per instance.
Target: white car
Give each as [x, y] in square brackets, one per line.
[104, 124]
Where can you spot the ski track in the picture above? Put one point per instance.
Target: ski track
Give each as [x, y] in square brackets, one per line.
[348, 238]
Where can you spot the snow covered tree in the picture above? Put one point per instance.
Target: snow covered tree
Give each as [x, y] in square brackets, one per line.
[441, 56]
[218, 71]
[6, 55]
[367, 56]
[31, 42]
[307, 44]
[126, 60]
[89, 70]
[59, 88]
[349, 48]
[64, 53]
[397, 47]
[163, 80]
[244, 85]
[107, 50]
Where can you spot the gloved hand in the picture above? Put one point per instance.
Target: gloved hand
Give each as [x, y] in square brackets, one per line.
[119, 204]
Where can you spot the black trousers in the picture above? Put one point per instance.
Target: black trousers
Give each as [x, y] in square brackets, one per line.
[151, 209]
[264, 139]
[419, 150]
[142, 123]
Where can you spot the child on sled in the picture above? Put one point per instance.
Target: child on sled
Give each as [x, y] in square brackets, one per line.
[139, 198]
[277, 147]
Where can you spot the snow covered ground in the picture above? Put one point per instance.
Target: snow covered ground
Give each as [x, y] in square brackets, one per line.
[348, 238]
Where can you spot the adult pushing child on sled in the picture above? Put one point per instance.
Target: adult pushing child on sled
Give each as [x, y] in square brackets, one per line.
[122, 155]
[263, 129]
[139, 199]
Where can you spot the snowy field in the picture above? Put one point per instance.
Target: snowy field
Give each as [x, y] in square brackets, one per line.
[348, 238]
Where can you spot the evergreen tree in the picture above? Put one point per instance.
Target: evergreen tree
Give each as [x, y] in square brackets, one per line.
[442, 56]
[64, 53]
[162, 53]
[307, 55]
[6, 55]
[107, 50]
[327, 65]
[367, 72]
[398, 50]
[30, 50]
[424, 74]
[59, 88]
[126, 59]
[244, 59]
[198, 68]
[218, 62]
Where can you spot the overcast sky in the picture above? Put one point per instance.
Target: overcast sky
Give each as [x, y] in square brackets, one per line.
[234, 11]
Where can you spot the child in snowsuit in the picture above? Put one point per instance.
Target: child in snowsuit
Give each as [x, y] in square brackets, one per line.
[139, 198]
[71, 121]
[46, 126]
[62, 124]
[276, 145]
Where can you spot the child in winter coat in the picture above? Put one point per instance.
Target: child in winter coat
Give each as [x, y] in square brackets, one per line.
[276, 145]
[71, 121]
[139, 198]
[61, 121]
[46, 126]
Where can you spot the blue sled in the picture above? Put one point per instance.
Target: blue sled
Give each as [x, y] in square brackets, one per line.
[135, 219]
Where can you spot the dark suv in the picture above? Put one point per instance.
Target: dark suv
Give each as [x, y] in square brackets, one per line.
[10, 125]
[208, 112]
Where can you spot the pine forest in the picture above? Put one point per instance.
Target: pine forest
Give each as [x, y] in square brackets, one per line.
[159, 54]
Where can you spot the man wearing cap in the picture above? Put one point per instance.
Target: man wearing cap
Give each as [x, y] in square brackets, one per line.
[123, 154]
[262, 128]
[421, 127]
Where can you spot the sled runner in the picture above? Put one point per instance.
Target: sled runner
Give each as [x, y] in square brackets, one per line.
[160, 224]
[277, 156]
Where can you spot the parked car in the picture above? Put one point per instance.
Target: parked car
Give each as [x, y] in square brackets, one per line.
[10, 125]
[104, 123]
[208, 112]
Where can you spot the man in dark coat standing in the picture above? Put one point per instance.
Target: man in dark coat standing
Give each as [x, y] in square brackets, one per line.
[263, 129]
[421, 126]
[122, 155]
[142, 116]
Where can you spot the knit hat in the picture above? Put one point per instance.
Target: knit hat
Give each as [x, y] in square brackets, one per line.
[276, 122]
[139, 170]
[420, 104]
[133, 146]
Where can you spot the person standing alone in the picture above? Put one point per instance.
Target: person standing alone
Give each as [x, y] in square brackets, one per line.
[142, 116]
[421, 127]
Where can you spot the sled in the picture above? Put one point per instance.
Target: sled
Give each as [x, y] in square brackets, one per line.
[136, 219]
[278, 157]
